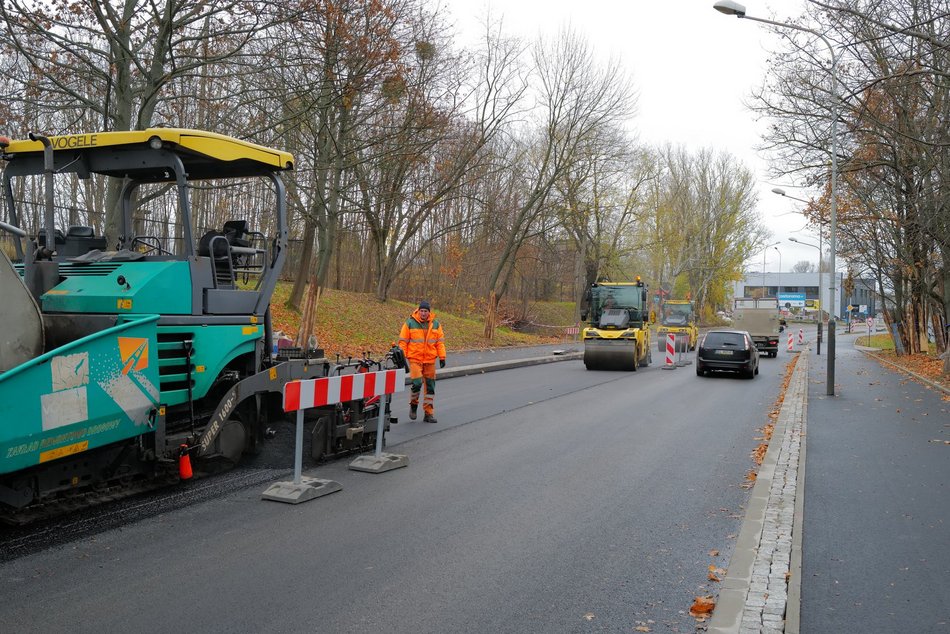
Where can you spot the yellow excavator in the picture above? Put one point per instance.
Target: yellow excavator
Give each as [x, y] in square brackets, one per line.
[617, 336]
[678, 316]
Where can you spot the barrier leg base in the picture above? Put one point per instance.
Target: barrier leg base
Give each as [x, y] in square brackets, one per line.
[379, 464]
[668, 367]
[308, 489]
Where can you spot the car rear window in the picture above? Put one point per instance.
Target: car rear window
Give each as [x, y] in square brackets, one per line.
[724, 339]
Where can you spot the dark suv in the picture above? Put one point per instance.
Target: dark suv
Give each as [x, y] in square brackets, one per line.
[731, 350]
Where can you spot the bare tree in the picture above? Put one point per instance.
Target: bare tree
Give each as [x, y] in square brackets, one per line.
[118, 60]
[893, 66]
[576, 98]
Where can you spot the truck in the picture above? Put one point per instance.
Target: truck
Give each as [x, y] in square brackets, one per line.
[617, 335]
[122, 362]
[760, 317]
[678, 316]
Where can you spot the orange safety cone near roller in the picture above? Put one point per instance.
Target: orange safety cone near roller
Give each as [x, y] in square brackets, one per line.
[184, 464]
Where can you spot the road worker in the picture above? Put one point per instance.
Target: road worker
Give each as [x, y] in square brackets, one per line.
[423, 342]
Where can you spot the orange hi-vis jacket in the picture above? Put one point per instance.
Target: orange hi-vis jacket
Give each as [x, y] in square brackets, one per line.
[422, 341]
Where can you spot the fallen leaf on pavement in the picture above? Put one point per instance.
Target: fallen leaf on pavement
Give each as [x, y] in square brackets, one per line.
[702, 607]
[641, 628]
[589, 616]
[713, 553]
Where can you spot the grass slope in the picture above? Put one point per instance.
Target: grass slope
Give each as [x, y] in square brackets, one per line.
[351, 324]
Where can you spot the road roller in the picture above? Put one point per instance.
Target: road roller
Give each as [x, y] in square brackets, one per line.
[678, 317]
[617, 335]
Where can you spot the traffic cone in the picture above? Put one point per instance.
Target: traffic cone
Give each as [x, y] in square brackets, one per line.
[184, 464]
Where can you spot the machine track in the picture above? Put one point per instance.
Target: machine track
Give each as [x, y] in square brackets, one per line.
[60, 505]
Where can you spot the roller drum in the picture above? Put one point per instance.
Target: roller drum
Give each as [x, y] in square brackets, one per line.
[610, 355]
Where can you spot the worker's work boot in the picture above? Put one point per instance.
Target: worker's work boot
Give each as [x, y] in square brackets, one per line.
[429, 418]
[412, 411]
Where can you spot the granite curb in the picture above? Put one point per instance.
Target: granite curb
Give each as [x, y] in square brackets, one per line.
[762, 585]
[494, 366]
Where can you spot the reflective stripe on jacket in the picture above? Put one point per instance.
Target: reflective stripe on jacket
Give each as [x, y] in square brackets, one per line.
[422, 341]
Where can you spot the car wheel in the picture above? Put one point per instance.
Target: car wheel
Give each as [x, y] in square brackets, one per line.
[700, 371]
[756, 369]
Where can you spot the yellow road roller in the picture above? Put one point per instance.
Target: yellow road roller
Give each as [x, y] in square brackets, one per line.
[617, 335]
[678, 316]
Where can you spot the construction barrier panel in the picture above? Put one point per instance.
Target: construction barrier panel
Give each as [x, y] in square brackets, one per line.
[302, 395]
[801, 336]
[682, 345]
[791, 341]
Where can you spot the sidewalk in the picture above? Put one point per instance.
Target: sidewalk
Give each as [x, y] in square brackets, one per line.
[876, 517]
[861, 528]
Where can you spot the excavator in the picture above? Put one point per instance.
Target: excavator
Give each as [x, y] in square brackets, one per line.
[617, 336]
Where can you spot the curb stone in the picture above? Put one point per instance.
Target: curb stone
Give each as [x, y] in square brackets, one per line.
[760, 592]
[481, 368]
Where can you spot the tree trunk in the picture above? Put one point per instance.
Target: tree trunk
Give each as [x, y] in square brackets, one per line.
[309, 318]
[304, 271]
[491, 315]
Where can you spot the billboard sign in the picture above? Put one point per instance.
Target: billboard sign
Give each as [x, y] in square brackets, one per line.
[791, 300]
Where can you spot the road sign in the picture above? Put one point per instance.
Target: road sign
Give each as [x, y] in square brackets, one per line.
[850, 308]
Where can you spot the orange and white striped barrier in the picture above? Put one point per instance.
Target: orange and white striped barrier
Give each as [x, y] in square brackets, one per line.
[791, 341]
[305, 394]
[801, 336]
[670, 352]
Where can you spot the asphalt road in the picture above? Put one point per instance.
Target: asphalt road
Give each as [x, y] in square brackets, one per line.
[547, 499]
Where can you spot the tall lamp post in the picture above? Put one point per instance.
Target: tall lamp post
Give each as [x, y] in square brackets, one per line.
[821, 302]
[765, 252]
[729, 7]
[821, 305]
[779, 293]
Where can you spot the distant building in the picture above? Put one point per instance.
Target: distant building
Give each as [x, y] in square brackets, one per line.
[795, 285]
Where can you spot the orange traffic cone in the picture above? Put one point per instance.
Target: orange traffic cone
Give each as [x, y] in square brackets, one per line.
[184, 464]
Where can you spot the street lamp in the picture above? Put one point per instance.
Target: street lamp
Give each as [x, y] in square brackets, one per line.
[779, 293]
[765, 252]
[821, 305]
[821, 301]
[729, 7]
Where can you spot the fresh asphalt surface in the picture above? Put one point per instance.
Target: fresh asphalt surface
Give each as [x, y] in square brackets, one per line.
[876, 532]
[547, 499]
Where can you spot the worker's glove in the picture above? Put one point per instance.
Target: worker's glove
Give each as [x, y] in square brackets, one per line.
[441, 363]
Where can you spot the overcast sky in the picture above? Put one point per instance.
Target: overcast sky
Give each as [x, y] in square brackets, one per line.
[693, 67]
